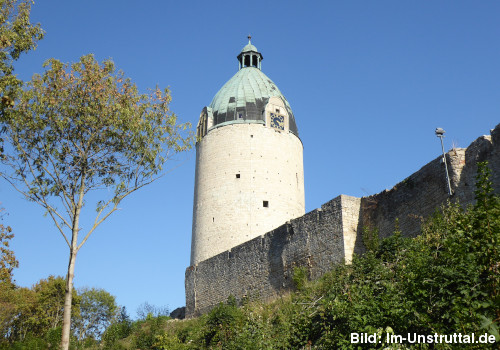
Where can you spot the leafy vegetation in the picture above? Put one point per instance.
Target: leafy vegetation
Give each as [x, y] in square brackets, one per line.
[7, 258]
[97, 310]
[34, 314]
[79, 129]
[444, 281]
[17, 36]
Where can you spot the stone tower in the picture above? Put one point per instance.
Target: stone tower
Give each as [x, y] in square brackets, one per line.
[249, 169]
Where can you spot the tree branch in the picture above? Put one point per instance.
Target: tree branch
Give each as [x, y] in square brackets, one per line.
[43, 203]
[115, 208]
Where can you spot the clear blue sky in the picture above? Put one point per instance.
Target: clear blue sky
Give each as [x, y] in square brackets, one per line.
[368, 82]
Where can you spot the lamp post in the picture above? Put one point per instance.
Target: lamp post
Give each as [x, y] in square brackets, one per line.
[440, 133]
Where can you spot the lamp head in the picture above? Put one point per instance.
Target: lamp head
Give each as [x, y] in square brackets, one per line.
[439, 132]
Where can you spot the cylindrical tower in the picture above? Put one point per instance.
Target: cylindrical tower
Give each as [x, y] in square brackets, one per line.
[249, 164]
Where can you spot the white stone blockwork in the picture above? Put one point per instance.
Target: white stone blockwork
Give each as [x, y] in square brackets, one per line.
[249, 180]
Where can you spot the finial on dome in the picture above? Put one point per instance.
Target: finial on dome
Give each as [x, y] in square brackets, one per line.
[250, 56]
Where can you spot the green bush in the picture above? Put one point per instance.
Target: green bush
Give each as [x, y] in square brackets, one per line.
[221, 324]
[299, 277]
[146, 331]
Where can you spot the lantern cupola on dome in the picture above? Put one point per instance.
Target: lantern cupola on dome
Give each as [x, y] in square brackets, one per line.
[250, 56]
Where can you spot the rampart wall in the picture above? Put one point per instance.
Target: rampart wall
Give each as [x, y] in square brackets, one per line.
[418, 196]
[263, 267]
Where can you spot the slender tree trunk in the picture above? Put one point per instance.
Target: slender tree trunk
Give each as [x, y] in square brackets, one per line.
[68, 298]
[66, 329]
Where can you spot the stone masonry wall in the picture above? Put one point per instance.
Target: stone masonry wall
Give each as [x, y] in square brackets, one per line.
[263, 267]
[418, 196]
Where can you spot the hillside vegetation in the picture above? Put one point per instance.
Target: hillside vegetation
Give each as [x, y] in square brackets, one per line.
[445, 281]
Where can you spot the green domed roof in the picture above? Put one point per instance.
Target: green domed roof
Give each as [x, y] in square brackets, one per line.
[244, 97]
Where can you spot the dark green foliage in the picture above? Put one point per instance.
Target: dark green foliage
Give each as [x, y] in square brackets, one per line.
[371, 238]
[221, 324]
[114, 333]
[148, 330]
[51, 340]
[300, 276]
[118, 330]
[97, 311]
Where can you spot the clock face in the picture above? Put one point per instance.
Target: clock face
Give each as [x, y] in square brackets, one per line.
[277, 121]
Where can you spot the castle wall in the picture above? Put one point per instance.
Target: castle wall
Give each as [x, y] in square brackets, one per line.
[418, 196]
[263, 267]
[414, 198]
